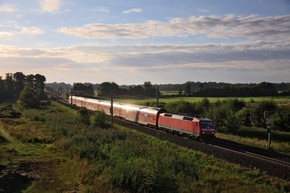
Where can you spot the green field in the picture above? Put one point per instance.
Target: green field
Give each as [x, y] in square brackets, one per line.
[53, 151]
[198, 99]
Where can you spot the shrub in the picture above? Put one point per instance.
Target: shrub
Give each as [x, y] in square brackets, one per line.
[28, 97]
[99, 119]
[84, 116]
[281, 119]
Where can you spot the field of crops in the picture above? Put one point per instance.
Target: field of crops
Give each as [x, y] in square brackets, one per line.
[165, 99]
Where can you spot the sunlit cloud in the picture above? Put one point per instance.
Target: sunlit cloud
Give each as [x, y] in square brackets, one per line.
[224, 56]
[32, 31]
[6, 34]
[7, 9]
[249, 27]
[260, 58]
[50, 5]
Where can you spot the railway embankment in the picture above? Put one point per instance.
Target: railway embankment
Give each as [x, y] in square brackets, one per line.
[114, 159]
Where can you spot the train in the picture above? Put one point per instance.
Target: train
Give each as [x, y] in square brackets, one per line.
[196, 127]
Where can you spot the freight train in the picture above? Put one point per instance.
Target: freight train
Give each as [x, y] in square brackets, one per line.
[196, 127]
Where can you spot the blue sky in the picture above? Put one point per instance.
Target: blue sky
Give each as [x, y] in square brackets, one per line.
[133, 41]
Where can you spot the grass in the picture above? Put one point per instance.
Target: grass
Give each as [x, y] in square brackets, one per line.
[258, 137]
[198, 99]
[28, 151]
[74, 156]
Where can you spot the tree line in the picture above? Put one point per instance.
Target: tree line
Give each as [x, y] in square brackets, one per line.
[229, 115]
[197, 89]
[28, 89]
[234, 90]
[105, 89]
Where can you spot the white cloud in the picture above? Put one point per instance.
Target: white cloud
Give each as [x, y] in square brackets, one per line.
[7, 9]
[6, 34]
[101, 10]
[135, 10]
[250, 27]
[50, 5]
[32, 31]
[255, 60]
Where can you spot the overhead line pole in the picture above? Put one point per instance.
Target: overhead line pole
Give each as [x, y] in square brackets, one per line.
[111, 109]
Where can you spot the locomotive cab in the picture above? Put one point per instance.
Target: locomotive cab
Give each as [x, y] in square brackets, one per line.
[207, 127]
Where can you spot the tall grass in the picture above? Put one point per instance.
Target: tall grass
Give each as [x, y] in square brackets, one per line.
[116, 159]
[259, 137]
[166, 99]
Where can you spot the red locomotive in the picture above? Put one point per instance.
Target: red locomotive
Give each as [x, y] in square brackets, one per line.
[151, 116]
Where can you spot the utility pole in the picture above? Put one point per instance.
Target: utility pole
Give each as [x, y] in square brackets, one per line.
[111, 109]
[71, 102]
[157, 96]
[269, 127]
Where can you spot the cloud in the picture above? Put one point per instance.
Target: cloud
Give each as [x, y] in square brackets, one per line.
[32, 31]
[50, 5]
[135, 10]
[247, 55]
[7, 9]
[10, 29]
[203, 10]
[6, 34]
[101, 10]
[229, 26]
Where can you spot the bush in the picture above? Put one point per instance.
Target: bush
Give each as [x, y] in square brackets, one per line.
[29, 98]
[7, 111]
[99, 119]
[281, 119]
[84, 116]
[257, 114]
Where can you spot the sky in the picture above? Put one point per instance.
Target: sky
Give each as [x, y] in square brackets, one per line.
[133, 41]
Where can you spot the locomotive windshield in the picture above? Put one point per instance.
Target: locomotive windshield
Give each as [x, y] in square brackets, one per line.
[207, 124]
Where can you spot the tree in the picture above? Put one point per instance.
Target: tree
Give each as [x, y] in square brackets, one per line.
[9, 87]
[281, 119]
[257, 114]
[39, 85]
[19, 79]
[106, 87]
[81, 89]
[28, 97]
[187, 90]
[149, 89]
[180, 91]
[1, 89]
[136, 90]
[267, 89]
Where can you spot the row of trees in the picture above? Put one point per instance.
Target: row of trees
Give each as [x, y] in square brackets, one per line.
[29, 89]
[230, 114]
[105, 89]
[234, 89]
[231, 90]
[198, 89]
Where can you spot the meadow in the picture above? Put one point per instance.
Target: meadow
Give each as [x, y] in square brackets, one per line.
[69, 156]
[168, 99]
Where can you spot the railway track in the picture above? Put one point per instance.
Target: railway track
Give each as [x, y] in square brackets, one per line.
[255, 152]
[275, 164]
